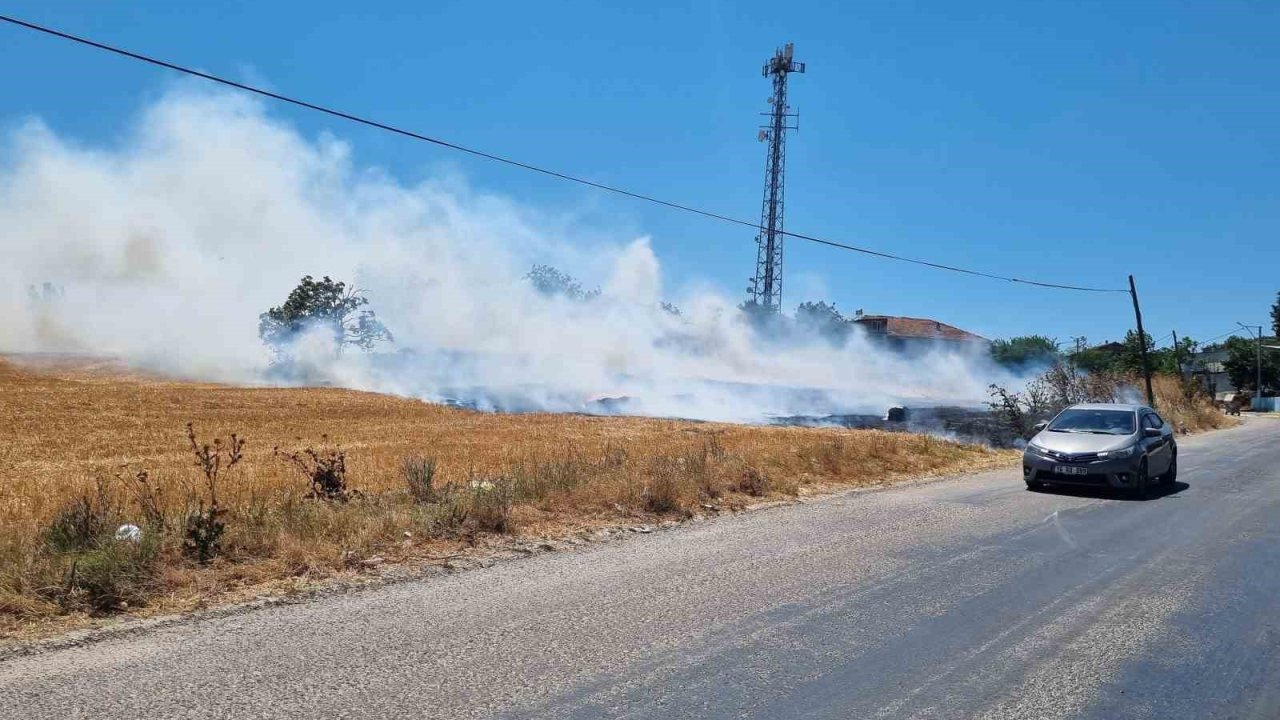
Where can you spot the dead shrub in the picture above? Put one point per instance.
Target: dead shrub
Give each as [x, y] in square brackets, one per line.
[713, 447]
[204, 526]
[202, 534]
[662, 489]
[447, 518]
[613, 457]
[325, 470]
[831, 456]
[1061, 385]
[488, 506]
[698, 466]
[420, 475]
[754, 483]
[149, 495]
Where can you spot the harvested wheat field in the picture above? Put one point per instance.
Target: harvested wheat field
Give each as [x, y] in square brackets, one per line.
[359, 482]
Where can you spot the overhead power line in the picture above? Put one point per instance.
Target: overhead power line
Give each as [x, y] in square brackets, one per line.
[1218, 337]
[530, 167]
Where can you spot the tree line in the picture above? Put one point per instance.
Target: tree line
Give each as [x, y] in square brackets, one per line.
[1239, 359]
[342, 312]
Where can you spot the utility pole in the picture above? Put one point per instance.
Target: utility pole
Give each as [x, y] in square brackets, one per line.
[1142, 342]
[1249, 329]
[1177, 354]
[766, 287]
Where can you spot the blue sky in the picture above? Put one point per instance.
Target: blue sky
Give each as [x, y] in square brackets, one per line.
[1072, 142]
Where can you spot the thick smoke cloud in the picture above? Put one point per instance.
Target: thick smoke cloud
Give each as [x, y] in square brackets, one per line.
[169, 244]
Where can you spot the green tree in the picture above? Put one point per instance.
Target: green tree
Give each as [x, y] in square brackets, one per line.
[1094, 360]
[1242, 365]
[763, 320]
[1129, 359]
[324, 303]
[1025, 352]
[823, 319]
[1167, 360]
[1275, 317]
[551, 282]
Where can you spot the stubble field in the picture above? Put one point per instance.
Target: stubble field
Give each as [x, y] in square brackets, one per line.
[89, 446]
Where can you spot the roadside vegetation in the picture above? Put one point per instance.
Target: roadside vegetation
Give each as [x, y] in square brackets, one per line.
[1183, 403]
[126, 493]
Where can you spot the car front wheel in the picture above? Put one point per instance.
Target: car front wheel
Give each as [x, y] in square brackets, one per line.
[1170, 475]
[1142, 481]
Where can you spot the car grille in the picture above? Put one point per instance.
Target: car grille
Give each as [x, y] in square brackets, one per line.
[1071, 457]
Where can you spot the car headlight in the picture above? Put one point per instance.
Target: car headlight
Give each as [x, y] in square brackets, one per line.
[1036, 449]
[1121, 453]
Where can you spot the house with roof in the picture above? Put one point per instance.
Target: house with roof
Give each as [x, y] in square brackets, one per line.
[908, 333]
[1208, 367]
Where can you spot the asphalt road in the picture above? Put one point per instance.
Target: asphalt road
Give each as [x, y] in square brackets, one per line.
[963, 598]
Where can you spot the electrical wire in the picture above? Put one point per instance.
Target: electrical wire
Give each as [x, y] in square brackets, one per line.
[532, 168]
[1218, 337]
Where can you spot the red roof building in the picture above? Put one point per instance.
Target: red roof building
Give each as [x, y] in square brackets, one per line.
[913, 329]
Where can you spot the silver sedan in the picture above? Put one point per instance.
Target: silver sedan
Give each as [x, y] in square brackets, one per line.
[1102, 445]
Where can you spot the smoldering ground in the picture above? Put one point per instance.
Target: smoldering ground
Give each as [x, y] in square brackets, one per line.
[162, 248]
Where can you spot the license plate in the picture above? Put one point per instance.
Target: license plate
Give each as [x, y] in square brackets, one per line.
[1069, 470]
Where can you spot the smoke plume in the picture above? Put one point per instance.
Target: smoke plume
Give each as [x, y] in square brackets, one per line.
[163, 249]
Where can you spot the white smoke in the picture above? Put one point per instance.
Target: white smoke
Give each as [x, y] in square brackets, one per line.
[168, 245]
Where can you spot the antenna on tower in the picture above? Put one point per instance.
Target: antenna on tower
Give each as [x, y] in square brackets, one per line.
[765, 291]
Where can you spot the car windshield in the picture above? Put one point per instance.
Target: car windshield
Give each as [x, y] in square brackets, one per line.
[1105, 422]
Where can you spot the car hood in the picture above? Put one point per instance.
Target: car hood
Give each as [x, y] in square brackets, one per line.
[1082, 442]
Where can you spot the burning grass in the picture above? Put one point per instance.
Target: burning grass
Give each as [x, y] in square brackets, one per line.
[332, 481]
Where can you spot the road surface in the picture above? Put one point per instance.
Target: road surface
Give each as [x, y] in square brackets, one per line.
[964, 598]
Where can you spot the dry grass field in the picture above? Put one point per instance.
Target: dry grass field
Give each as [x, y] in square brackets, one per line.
[1189, 411]
[421, 481]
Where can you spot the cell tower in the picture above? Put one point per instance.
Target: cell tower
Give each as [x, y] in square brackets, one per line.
[766, 287]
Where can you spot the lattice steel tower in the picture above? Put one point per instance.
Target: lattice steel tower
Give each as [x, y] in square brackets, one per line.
[766, 287]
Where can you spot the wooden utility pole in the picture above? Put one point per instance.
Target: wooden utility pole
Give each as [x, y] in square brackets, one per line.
[1177, 354]
[1142, 342]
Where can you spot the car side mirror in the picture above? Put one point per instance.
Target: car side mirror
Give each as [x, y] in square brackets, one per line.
[1151, 432]
[1039, 426]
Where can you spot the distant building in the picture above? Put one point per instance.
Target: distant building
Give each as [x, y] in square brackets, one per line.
[909, 333]
[1209, 369]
